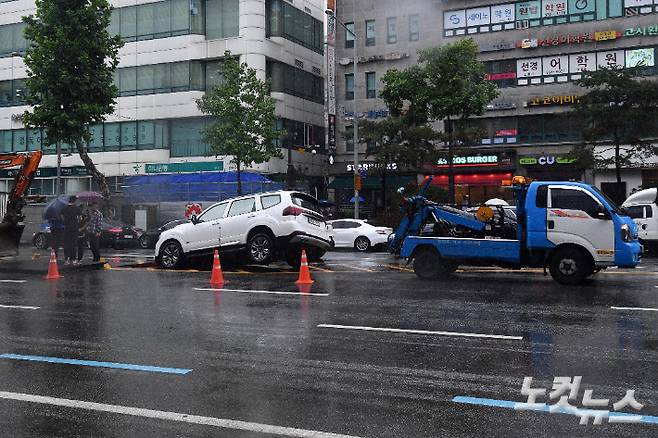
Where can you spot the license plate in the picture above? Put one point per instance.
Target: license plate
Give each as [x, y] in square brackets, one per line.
[313, 222]
[128, 236]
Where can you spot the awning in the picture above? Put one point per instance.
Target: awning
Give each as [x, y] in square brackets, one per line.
[346, 182]
[473, 179]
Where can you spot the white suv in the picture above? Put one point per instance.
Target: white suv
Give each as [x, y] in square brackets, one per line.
[263, 225]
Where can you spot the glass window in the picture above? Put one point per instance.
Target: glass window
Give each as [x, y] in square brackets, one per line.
[180, 17]
[222, 19]
[20, 140]
[162, 19]
[371, 85]
[162, 78]
[112, 136]
[186, 138]
[129, 23]
[615, 8]
[635, 212]
[145, 21]
[145, 79]
[18, 92]
[6, 39]
[128, 135]
[214, 75]
[161, 134]
[349, 35]
[33, 139]
[349, 86]
[213, 213]
[115, 22]
[242, 206]
[268, 201]
[391, 30]
[542, 197]
[6, 93]
[197, 75]
[197, 16]
[128, 78]
[370, 32]
[96, 138]
[648, 211]
[349, 138]
[351, 224]
[571, 199]
[6, 141]
[180, 76]
[146, 135]
[414, 27]
[306, 201]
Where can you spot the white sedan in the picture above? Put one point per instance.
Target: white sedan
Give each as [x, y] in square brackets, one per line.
[358, 234]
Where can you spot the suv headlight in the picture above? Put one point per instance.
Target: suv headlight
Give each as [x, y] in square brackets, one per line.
[626, 233]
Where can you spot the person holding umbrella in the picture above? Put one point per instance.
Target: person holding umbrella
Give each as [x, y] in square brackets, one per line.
[94, 227]
[71, 216]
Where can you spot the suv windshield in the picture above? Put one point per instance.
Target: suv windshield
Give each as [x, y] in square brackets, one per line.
[307, 202]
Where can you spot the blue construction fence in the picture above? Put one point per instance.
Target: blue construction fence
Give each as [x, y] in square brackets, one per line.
[193, 187]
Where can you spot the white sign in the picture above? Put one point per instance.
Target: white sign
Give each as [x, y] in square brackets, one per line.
[331, 79]
[454, 19]
[502, 13]
[633, 3]
[553, 8]
[555, 65]
[478, 16]
[613, 58]
[640, 58]
[528, 10]
[527, 68]
[581, 62]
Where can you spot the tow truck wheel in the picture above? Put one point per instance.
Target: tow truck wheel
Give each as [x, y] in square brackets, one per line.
[429, 265]
[570, 266]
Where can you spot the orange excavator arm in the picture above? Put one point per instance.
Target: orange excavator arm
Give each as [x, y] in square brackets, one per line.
[11, 227]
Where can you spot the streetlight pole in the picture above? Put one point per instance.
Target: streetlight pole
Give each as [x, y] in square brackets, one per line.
[355, 119]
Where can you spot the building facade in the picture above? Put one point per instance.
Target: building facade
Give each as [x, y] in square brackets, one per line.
[533, 50]
[172, 54]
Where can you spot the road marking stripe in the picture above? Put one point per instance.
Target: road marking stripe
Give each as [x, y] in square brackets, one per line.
[420, 332]
[13, 281]
[649, 419]
[268, 292]
[399, 268]
[171, 416]
[317, 268]
[6, 306]
[647, 309]
[93, 363]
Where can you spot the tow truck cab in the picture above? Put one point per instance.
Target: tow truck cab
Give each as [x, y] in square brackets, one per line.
[571, 228]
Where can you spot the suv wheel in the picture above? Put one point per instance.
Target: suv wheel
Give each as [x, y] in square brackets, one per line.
[362, 244]
[171, 255]
[260, 248]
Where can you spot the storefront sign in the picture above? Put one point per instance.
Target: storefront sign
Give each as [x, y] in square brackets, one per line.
[506, 132]
[393, 56]
[370, 166]
[211, 166]
[640, 58]
[374, 114]
[526, 68]
[493, 47]
[553, 8]
[470, 160]
[607, 35]
[553, 100]
[500, 76]
[641, 31]
[331, 132]
[48, 172]
[547, 160]
[555, 65]
[501, 105]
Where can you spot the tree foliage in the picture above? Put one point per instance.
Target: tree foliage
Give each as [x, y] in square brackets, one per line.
[618, 109]
[70, 64]
[244, 117]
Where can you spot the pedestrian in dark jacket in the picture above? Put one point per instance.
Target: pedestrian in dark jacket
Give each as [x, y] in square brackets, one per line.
[56, 233]
[71, 216]
[94, 228]
[82, 236]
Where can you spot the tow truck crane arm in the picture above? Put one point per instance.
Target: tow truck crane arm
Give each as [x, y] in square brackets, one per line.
[11, 227]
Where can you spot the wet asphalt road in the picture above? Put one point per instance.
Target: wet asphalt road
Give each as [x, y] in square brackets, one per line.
[267, 359]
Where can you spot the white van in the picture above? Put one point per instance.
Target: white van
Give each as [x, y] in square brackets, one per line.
[641, 207]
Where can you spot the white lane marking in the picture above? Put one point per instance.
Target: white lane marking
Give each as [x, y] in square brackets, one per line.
[420, 332]
[13, 281]
[271, 292]
[171, 416]
[6, 306]
[646, 309]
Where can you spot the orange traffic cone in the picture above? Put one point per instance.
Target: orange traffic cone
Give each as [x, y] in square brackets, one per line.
[53, 272]
[217, 279]
[304, 272]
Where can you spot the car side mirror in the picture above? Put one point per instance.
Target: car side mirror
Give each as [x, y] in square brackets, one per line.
[601, 213]
[194, 219]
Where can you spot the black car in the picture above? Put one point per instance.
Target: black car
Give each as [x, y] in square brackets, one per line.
[150, 237]
[113, 235]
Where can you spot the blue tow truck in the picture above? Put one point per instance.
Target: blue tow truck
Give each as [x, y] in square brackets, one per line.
[570, 228]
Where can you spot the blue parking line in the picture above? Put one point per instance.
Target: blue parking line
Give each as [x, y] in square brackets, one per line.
[93, 363]
[492, 402]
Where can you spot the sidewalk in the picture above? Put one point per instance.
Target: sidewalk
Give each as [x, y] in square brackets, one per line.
[34, 261]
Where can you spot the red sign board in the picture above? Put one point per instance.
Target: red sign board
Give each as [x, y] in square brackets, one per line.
[500, 76]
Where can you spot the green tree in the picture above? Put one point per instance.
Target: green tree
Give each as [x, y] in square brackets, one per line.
[448, 85]
[618, 109]
[244, 117]
[70, 64]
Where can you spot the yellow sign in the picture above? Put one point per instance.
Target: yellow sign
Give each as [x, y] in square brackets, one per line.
[606, 35]
[554, 100]
[605, 252]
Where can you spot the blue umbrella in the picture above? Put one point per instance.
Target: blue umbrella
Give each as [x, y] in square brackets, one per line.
[360, 200]
[53, 209]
